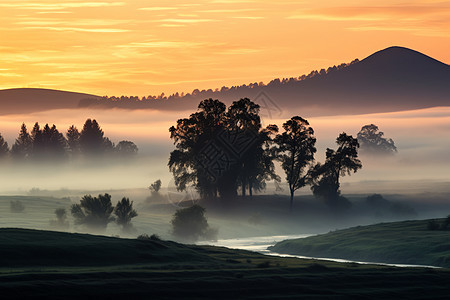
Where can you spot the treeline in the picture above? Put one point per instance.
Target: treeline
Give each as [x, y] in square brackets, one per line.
[209, 93]
[48, 143]
[220, 150]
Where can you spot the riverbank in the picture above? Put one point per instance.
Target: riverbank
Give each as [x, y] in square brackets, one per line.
[407, 242]
[55, 265]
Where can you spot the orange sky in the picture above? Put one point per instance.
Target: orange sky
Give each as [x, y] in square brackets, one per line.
[146, 47]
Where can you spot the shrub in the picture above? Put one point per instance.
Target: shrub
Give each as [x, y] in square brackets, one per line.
[432, 225]
[190, 224]
[16, 206]
[61, 219]
[94, 212]
[125, 212]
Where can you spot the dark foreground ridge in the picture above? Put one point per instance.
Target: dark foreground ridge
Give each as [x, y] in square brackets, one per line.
[55, 265]
[407, 242]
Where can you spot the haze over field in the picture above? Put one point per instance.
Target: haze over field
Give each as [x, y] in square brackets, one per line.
[421, 136]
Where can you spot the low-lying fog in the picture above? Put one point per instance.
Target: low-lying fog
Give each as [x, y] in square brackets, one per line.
[421, 136]
[421, 166]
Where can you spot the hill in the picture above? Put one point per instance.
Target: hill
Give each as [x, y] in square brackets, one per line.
[53, 265]
[392, 79]
[28, 100]
[407, 242]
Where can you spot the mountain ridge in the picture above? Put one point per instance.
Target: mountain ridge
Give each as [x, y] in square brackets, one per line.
[392, 79]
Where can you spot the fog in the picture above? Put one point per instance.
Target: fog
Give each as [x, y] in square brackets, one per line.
[420, 170]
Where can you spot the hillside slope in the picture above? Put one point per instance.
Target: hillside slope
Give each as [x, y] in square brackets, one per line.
[407, 242]
[28, 100]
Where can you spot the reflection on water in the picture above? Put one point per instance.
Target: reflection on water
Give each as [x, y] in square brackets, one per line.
[261, 243]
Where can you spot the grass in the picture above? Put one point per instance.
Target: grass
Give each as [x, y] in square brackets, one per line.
[407, 242]
[56, 265]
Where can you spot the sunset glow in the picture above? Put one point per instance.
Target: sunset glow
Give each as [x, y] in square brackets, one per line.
[141, 48]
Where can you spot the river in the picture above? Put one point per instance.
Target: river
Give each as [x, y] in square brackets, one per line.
[261, 243]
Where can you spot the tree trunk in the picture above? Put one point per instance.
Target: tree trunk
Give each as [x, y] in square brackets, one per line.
[250, 189]
[244, 186]
[292, 200]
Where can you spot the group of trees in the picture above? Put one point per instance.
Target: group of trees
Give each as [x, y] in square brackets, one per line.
[97, 212]
[49, 143]
[209, 93]
[220, 150]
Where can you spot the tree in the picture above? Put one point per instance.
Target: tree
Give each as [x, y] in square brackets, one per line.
[23, 145]
[325, 177]
[126, 149]
[91, 138]
[4, 149]
[155, 186]
[190, 224]
[218, 150]
[94, 212]
[47, 143]
[295, 150]
[61, 219]
[124, 212]
[371, 140]
[188, 162]
[255, 165]
[73, 141]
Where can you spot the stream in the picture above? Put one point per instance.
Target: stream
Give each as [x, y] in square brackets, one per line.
[261, 243]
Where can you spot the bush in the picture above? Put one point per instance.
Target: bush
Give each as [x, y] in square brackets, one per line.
[61, 219]
[94, 212]
[125, 212]
[190, 224]
[145, 237]
[16, 206]
[432, 225]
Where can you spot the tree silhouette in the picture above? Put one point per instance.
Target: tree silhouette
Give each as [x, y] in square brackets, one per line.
[124, 212]
[155, 186]
[218, 150]
[190, 137]
[295, 150]
[256, 165]
[94, 212]
[47, 143]
[190, 224]
[325, 177]
[61, 219]
[4, 149]
[126, 149]
[91, 138]
[23, 145]
[73, 141]
[371, 140]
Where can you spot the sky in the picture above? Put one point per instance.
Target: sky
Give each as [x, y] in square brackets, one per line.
[149, 47]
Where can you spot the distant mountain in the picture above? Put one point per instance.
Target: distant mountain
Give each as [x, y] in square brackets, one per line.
[26, 100]
[392, 79]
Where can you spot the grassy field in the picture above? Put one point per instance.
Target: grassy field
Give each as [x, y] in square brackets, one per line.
[407, 242]
[56, 265]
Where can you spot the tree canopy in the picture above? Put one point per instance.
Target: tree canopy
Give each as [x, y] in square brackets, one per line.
[218, 150]
[295, 150]
[325, 177]
[372, 141]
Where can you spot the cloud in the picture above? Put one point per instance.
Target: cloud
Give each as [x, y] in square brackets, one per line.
[79, 29]
[161, 44]
[371, 13]
[158, 8]
[249, 18]
[186, 21]
[59, 6]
